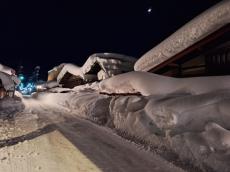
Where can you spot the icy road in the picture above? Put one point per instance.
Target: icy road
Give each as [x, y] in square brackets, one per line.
[51, 139]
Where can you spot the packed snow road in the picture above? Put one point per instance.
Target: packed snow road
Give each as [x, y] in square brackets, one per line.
[47, 138]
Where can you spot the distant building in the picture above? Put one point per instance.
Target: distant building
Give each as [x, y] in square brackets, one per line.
[97, 67]
[53, 73]
[201, 47]
[8, 81]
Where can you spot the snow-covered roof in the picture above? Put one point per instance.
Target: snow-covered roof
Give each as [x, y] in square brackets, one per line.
[97, 67]
[6, 69]
[70, 68]
[114, 56]
[8, 81]
[200, 27]
[110, 64]
[8, 78]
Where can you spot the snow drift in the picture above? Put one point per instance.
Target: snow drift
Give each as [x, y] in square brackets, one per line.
[187, 116]
[153, 84]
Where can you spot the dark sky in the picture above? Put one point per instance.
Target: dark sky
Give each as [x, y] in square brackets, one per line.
[49, 32]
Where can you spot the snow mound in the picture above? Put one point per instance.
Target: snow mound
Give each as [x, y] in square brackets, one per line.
[217, 137]
[153, 84]
[195, 127]
[189, 116]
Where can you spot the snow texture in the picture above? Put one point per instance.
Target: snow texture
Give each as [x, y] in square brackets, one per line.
[187, 116]
[153, 84]
[195, 126]
[197, 29]
[190, 116]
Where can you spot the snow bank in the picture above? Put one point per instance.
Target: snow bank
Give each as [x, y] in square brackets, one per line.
[195, 127]
[189, 116]
[153, 84]
[194, 31]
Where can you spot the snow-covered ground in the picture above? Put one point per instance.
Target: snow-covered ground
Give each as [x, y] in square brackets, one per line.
[185, 122]
[47, 136]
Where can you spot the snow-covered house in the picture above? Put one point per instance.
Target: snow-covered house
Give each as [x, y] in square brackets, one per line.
[53, 73]
[71, 76]
[8, 81]
[97, 67]
[106, 65]
[200, 47]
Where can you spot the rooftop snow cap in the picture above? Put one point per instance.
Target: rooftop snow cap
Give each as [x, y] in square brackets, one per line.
[8, 79]
[200, 27]
[106, 65]
[7, 70]
[8, 82]
[98, 66]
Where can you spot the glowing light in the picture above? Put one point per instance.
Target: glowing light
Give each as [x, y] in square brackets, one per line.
[149, 10]
[27, 89]
[21, 78]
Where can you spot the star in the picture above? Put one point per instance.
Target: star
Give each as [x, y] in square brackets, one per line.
[149, 10]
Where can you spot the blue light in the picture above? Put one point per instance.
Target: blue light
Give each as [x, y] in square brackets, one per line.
[27, 89]
[21, 78]
[26, 86]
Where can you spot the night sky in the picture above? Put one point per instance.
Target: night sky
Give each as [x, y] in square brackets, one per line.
[47, 33]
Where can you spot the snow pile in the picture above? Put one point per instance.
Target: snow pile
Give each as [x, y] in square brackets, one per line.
[153, 84]
[194, 31]
[189, 116]
[196, 127]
